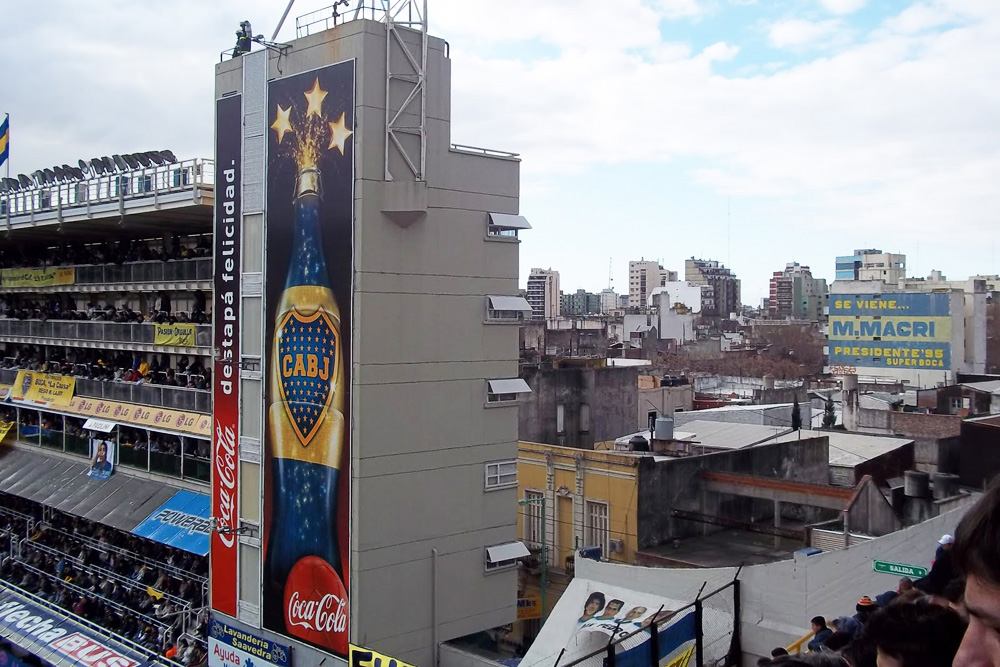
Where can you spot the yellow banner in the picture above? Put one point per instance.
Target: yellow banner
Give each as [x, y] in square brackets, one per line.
[174, 334]
[37, 277]
[141, 415]
[54, 390]
[5, 428]
[363, 657]
[529, 608]
[4, 391]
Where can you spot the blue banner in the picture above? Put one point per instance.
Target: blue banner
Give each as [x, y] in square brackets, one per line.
[231, 647]
[181, 522]
[672, 639]
[56, 638]
[924, 304]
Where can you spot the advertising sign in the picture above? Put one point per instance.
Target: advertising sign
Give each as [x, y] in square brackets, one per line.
[55, 637]
[890, 330]
[192, 423]
[226, 378]
[37, 277]
[181, 335]
[308, 292]
[5, 428]
[102, 458]
[181, 522]
[43, 388]
[364, 657]
[229, 646]
[528, 608]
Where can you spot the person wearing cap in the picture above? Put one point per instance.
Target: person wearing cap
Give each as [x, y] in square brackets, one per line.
[864, 608]
[942, 571]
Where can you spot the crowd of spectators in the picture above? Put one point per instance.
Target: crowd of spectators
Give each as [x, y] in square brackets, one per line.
[951, 617]
[108, 252]
[109, 365]
[65, 307]
[146, 592]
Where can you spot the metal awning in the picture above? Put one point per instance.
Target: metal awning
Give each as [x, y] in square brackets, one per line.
[512, 386]
[508, 221]
[517, 303]
[101, 425]
[121, 501]
[509, 551]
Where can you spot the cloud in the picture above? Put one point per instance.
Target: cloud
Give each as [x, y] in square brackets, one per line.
[796, 33]
[843, 6]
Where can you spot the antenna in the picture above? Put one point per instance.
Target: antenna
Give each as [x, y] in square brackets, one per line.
[610, 279]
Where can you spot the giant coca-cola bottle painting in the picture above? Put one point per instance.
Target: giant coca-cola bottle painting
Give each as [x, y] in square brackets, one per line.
[310, 174]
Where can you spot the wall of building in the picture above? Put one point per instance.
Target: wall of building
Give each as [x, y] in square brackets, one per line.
[778, 599]
[570, 478]
[665, 401]
[671, 484]
[766, 415]
[980, 456]
[610, 395]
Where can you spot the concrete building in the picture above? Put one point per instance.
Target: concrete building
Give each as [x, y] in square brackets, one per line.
[543, 294]
[643, 277]
[577, 402]
[872, 264]
[433, 415]
[680, 292]
[609, 301]
[581, 302]
[920, 336]
[725, 298]
[796, 295]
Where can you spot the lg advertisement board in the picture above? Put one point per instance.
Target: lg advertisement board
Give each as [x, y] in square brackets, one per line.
[308, 297]
[890, 330]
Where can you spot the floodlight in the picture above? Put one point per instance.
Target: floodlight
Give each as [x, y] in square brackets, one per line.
[155, 158]
[142, 158]
[168, 156]
[119, 162]
[131, 161]
[109, 166]
[24, 181]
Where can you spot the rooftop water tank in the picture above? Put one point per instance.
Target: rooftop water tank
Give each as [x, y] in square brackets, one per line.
[664, 429]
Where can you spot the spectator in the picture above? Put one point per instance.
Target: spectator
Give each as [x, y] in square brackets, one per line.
[905, 584]
[977, 558]
[864, 608]
[847, 625]
[941, 572]
[779, 651]
[915, 634]
[820, 633]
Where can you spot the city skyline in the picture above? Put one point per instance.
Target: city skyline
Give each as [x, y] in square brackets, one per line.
[748, 133]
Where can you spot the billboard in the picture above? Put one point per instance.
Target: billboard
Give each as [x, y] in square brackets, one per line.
[308, 296]
[890, 330]
[44, 388]
[181, 522]
[228, 646]
[102, 458]
[226, 376]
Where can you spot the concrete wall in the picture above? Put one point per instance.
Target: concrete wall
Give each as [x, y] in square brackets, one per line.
[675, 484]
[980, 456]
[778, 599]
[421, 355]
[610, 393]
[453, 656]
[763, 415]
[871, 514]
[666, 401]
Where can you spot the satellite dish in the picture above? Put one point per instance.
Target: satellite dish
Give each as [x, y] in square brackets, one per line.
[168, 156]
[131, 161]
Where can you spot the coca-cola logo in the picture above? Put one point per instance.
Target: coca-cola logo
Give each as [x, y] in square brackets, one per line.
[225, 476]
[316, 605]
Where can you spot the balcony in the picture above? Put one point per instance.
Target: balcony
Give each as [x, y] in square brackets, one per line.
[172, 398]
[104, 335]
[153, 276]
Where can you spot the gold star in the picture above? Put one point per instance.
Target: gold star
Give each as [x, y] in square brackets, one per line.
[339, 134]
[315, 98]
[281, 123]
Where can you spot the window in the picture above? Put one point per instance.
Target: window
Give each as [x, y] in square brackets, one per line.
[507, 308]
[533, 519]
[956, 404]
[505, 391]
[597, 525]
[585, 418]
[505, 556]
[560, 419]
[651, 419]
[504, 224]
[501, 475]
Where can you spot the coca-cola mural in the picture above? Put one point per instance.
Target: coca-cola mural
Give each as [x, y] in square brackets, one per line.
[225, 383]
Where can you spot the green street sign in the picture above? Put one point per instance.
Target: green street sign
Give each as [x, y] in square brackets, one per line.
[900, 569]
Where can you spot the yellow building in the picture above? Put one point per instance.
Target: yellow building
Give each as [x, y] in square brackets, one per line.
[590, 501]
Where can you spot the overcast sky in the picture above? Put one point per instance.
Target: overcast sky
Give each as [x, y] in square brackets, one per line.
[755, 132]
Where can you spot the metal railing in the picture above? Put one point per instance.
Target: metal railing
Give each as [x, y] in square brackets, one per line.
[150, 182]
[96, 332]
[334, 15]
[161, 396]
[155, 271]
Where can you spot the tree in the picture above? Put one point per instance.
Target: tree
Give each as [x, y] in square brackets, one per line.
[796, 416]
[829, 417]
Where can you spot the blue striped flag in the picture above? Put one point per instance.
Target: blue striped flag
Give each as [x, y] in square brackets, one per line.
[4, 136]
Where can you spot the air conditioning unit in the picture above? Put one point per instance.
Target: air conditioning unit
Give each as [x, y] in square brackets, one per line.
[616, 546]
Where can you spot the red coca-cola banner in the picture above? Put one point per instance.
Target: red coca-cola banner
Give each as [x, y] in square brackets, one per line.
[226, 377]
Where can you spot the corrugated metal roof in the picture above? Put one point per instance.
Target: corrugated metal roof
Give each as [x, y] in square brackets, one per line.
[727, 435]
[988, 386]
[120, 501]
[849, 449]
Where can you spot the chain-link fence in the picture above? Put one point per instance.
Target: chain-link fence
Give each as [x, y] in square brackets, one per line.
[703, 633]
